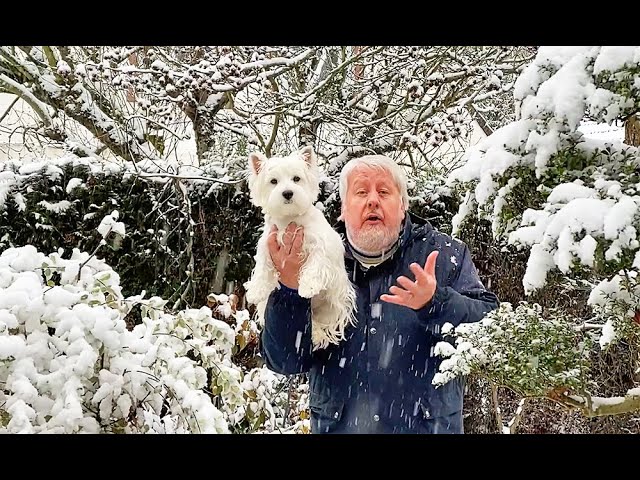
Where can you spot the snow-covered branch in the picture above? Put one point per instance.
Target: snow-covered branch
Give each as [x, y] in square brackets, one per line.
[604, 406]
[18, 89]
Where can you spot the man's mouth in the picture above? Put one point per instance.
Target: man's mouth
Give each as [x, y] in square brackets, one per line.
[373, 219]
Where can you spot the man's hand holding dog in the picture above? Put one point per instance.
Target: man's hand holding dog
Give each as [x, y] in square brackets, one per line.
[287, 257]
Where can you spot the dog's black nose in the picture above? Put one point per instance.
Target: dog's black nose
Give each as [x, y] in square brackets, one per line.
[287, 194]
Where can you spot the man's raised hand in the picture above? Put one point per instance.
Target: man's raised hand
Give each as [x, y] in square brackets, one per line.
[415, 294]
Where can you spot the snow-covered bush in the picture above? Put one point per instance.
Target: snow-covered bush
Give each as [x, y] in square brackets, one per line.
[71, 360]
[175, 243]
[519, 348]
[572, 202]
[69, 364]
[259, 400]
[535, 356]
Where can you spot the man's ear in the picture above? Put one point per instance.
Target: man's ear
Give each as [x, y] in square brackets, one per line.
[256, 161]
[308, 155]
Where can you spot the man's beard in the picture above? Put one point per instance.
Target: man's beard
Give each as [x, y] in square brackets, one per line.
[372, 239]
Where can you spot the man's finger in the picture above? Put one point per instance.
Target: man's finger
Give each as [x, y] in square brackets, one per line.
[430, 266]
[272, 241]
[398, 300]
[400, 292]
[406, 283]
[421, 276]
[296, 245]
[289, 236]
[296, 233]
[393, 299]
[291, 228]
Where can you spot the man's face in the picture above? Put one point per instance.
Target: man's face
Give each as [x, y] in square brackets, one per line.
[372, 210]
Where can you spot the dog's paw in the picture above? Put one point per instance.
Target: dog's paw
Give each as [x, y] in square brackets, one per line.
[251, 297]
[308, 289]
[257, 292]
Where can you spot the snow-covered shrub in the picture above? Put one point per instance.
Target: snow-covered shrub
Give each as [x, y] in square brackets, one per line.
[71, 362]
[519, 348]
[574, 202]
[535, 356]
[257, 399]
[616, 303]
[174, 242]
[571, 202]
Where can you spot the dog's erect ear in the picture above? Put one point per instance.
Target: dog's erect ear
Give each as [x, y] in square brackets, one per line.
[308, 155]
[256, 159]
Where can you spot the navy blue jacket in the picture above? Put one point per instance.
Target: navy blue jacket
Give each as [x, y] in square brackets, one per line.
[378, 380]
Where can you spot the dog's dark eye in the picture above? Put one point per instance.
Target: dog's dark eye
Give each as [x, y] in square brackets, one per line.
[296, 179]
[274, 181]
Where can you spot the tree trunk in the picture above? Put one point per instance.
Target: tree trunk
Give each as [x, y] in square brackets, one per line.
[221, 270]
[203, 122]
[632, 131]
[358, 68]
[131, 92]
[307, 132]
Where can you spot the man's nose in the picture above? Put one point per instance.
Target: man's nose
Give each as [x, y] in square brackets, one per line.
[373, 200]
[287, 194]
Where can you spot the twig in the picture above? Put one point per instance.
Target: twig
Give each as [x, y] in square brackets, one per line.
[496, 405]
[196, 177]
[90, 257]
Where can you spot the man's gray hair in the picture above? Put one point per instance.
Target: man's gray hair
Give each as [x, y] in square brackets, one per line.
[376, 161]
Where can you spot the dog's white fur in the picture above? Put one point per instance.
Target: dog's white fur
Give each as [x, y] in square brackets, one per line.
[323, 277]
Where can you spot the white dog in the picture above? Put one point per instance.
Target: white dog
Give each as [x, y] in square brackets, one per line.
[286, 189]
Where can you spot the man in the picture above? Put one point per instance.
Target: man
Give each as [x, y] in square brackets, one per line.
[378, 380]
